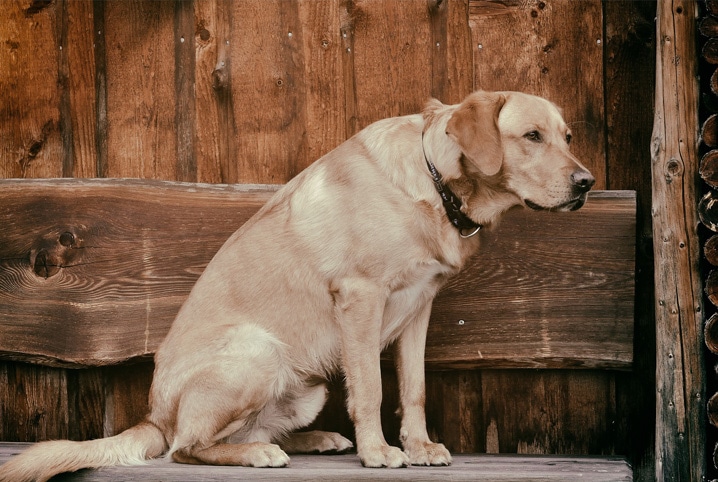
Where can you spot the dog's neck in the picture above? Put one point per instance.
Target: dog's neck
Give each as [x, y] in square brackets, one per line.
[452, 203]
[485, 199]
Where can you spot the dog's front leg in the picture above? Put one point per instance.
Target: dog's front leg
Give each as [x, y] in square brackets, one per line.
[410, 350]
[359, 310]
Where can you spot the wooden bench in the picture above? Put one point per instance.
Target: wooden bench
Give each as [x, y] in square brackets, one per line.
[94, 271]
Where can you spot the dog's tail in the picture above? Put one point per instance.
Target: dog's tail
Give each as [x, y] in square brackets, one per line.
[46, 459]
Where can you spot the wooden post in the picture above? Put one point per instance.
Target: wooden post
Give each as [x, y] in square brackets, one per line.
[680, 375]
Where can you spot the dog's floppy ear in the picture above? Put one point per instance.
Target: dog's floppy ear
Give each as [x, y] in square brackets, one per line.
[473, 126]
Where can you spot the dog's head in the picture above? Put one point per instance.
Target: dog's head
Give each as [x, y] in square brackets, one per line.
[522, 140]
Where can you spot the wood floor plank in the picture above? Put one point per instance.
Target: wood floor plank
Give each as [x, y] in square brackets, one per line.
[497, 468]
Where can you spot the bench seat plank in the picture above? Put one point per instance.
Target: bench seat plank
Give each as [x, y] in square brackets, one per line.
[93, 271]
[518, 468]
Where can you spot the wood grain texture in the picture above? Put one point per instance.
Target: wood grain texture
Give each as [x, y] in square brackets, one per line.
[127, 390]
[535, 47]
[268, 90]
[85, 403]
[33, 402]
[347, 468]
[538, 278]
[392, 56]
[30, 112]
[81, 88]
[140, 75]
[138, 281]
[680, 372]
[530, 414]
[451, 50]
[129, 251]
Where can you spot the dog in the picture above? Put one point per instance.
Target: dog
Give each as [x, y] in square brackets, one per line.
[340, 263]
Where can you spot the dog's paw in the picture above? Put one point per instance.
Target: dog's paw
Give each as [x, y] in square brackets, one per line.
[334, 442]
[266, 455]
[383, 456]
[427, 453]
[316, 442]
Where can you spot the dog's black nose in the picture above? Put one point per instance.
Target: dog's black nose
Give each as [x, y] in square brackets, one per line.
[583, 180]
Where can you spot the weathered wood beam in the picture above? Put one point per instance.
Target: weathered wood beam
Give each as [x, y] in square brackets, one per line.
[680, 375]
[92, 272]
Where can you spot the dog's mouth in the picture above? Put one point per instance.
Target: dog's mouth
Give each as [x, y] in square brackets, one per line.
[571, 205]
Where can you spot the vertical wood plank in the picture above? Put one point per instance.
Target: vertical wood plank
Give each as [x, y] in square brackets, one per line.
[81, 87]
[347, 32]
[63, 83]
[85, 401]
[33, 399]
[451, 80]
[392, 58]
[29, 115]
[215, 132]
[141, 132]
[680, 373]
[536, 47]
[33, 402]
[100, 48]
[268, 90]
[184, 83]
[323, 70]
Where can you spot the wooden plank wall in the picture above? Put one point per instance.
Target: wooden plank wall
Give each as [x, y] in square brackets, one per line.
[254, 90]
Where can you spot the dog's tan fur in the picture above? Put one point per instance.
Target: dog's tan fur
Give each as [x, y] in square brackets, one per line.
[341, 262]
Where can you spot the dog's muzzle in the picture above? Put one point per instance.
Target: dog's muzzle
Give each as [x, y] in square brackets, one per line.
[581, 182]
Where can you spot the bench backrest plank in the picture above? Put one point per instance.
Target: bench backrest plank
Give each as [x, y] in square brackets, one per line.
[92, 272]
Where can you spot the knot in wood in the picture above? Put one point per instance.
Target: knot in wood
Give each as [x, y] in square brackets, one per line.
[674, 167]
[45, 264]
[67, 239]
[220, 79]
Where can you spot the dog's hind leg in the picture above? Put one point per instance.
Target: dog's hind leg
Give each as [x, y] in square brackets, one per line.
[227, 394]
[298, 410]
[207, 416]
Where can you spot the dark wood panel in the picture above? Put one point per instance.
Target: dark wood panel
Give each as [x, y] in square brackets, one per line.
[629, 87]
[127, 390]
[541, 287]
[85, 403]
[537, 412]
[33, 402]
[128, 252]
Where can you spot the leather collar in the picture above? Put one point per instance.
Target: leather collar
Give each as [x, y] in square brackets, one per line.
[452, 203]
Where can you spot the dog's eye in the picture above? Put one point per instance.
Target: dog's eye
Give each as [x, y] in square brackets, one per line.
[534, 136]
[568, 138]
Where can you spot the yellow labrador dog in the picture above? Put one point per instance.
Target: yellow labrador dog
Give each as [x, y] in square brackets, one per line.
[341, 262]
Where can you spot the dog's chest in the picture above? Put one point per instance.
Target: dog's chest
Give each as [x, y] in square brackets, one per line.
[415, 288]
